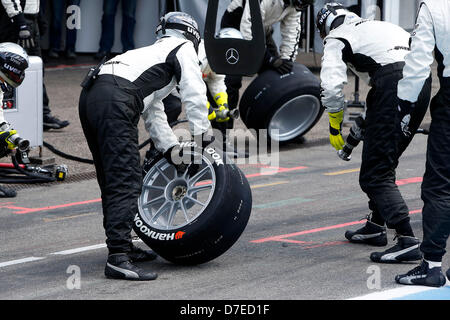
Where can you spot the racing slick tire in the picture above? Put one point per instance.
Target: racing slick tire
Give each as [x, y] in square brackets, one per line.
[193, 218]
[288, 103]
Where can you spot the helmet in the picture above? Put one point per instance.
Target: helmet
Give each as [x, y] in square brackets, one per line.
[230, 33]
[13, 62]
[327, 15]
[181, 25]
[299, 5]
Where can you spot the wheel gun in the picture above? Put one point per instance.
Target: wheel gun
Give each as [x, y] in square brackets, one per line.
[223, 114]
[354, 138]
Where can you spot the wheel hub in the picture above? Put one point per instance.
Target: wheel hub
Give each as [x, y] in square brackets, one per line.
[176, 190]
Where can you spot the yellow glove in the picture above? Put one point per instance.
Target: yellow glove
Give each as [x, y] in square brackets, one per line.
[211, 112]
[336, 120]
[4, 139]
[221, 100]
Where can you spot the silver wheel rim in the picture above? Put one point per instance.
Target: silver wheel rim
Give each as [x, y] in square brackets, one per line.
[171, 200]
[294, 118]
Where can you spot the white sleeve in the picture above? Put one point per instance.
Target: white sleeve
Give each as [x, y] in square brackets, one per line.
[333, 76]
[290, 29]
[234, 5]
[246, 21]
[417, 68]
[161, 133]
[2, 118]
[12, 7]
[216, 83]
[193, 90]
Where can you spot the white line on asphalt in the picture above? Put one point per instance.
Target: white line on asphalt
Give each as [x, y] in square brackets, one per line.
[393, 293]
[25, 260]
[78, 250]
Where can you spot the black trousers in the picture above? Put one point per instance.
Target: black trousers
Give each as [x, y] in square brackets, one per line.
[109, 116]
[384, 144]
[436, 181]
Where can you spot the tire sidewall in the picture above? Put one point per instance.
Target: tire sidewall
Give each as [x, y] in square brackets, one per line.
[199, 241]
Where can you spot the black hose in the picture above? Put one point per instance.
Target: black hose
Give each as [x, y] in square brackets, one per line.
[65, 155]
[89, 161]
[10, 175]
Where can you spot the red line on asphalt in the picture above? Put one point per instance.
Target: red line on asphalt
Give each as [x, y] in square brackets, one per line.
[402, 182]
[32, 210]
[315, 230]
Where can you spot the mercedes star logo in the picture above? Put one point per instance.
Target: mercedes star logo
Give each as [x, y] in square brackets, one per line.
[232, 56]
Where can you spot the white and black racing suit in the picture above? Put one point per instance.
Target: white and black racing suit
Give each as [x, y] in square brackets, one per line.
[215, 84]
[238, 16]
[432, 33]
[128, 86]
[375, 51]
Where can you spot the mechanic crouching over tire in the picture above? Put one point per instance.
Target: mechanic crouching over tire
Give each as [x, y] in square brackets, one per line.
[374, 50]
[111, 103]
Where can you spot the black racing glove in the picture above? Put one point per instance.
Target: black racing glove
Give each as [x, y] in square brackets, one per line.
[282, 66]
[25, 35]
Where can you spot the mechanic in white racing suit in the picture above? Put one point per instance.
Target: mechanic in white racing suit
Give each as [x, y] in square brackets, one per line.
[13, 63]
[432, 33]
[217, 99]
[288, 13]
[128, 86]
[375, 51]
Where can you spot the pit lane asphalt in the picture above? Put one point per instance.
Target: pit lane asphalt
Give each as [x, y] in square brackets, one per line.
[292, 248]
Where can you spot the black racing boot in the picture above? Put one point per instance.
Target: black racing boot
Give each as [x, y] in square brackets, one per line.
[448, 274]
[141, 255]
[51, 122]
[119, 266]
[406, 249]
[423, 276]
[371, 234]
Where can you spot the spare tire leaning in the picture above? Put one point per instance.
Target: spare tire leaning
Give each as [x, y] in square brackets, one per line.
[192, 220]
[288, 103]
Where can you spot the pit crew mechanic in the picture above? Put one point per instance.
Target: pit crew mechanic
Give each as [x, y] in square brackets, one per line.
[216, 94]
[288, 13]
[374, 50]
[432, 32]
[13, 63]
[22, 22]
[127, 86]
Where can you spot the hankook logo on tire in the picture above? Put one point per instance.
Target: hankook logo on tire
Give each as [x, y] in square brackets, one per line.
[232, 56]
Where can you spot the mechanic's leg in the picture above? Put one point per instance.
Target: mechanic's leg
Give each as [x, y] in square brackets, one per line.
[234, 84]
[436, 184]
[374, 231]
[108, 19]
[128, 24]
[436, 198]
[377, 176]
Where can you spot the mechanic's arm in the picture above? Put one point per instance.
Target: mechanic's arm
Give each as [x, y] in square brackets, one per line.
[161, 133]
[417, 68]
[193, 90]
[246, 22]
[333, 78]
[290, 28]
[12, 7]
